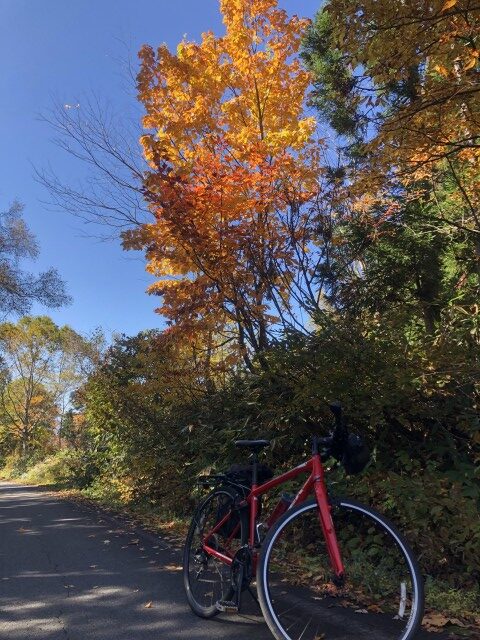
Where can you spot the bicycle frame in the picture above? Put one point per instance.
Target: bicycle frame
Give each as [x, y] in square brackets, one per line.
[315, 484]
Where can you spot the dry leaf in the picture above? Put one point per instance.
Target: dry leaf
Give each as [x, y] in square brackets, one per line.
[448, 5]
[471, 63]
[458, 623]
[148, 605]
[435, 621]
[441, 70]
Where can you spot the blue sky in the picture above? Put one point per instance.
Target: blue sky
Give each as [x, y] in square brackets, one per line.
[66, 49]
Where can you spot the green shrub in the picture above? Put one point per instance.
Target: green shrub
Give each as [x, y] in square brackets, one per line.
[67, 468]
[15, 465]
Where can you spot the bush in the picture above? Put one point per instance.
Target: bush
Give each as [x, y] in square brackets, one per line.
[67, 468]
[15, 465]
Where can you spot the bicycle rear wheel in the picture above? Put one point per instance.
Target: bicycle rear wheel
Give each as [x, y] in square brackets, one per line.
[381, 597]
[207, 579]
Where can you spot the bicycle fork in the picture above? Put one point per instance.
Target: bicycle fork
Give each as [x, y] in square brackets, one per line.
[326, 522]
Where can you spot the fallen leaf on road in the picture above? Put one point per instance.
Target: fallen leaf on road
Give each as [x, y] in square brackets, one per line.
[148, 605]
[93, 566]
[135, 541]
[106, 542]
[435, 621]
[375, 608]
[361, 611]
[458, 623]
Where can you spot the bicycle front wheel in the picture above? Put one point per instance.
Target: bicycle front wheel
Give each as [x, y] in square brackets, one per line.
[381, 597]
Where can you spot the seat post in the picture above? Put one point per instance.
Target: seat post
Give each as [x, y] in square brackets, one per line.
[254, 467]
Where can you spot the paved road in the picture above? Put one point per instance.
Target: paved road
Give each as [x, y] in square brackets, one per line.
[68, 573]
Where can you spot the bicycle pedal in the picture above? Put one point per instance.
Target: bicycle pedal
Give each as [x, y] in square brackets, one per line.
[227, 606]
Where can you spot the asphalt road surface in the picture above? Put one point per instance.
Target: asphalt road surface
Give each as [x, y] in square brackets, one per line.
[68, 572]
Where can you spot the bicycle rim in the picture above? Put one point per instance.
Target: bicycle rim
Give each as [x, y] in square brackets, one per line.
[382, 594]
[207, 579]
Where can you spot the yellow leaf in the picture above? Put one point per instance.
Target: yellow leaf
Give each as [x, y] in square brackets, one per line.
[471, 63]
[448, 4]
[148, 605]
[441, 70]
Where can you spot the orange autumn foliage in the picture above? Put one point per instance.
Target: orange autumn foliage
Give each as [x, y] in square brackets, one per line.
[230, 152]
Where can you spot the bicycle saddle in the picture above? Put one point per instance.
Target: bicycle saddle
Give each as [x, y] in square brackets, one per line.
[256, 445]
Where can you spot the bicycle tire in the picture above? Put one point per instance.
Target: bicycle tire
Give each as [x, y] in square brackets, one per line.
[202, 609]
[336, 619]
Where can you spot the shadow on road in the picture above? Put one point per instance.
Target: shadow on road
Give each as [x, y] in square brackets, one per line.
[68, 573]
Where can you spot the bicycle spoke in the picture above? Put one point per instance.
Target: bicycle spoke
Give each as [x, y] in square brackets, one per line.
[208, 579]
[378, 599]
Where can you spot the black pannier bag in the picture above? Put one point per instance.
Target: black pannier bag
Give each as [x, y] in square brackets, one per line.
[356, 454]
[241, 475]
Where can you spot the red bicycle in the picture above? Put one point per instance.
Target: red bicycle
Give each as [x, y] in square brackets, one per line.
[325, 567]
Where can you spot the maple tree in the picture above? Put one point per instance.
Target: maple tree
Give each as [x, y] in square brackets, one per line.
[233, 162]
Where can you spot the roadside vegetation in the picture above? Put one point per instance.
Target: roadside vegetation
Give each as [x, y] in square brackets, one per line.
[311, 214]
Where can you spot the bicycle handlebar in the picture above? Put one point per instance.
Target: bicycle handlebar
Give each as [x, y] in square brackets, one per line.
[334, 444]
